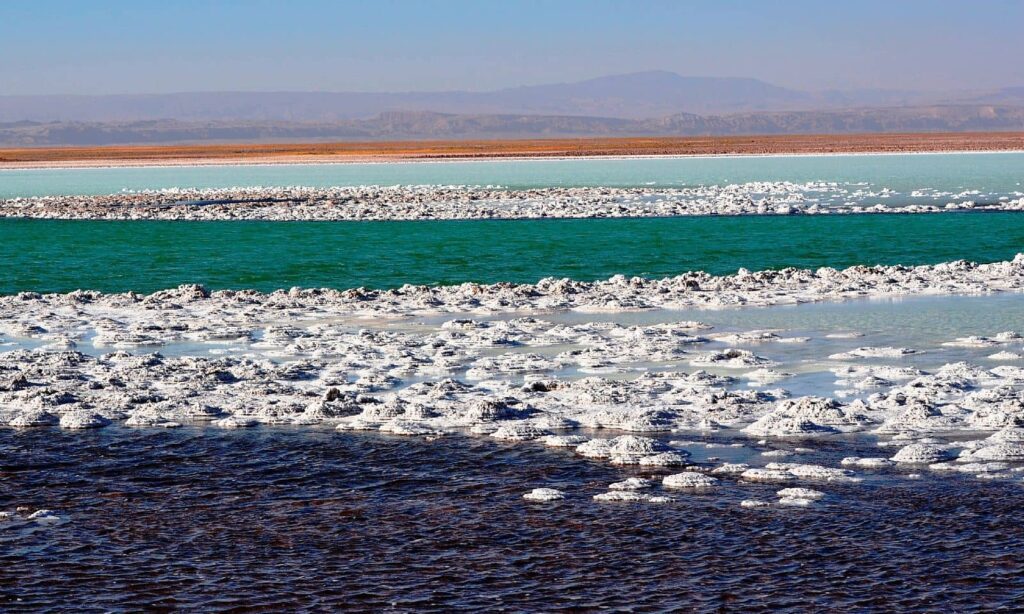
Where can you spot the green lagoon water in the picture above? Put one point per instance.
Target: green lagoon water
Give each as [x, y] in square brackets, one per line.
[60, 256]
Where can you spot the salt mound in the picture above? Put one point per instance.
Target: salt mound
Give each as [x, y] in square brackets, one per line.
[32, 417]
[623, 450]
[873, 352]
[595, 448]
[866, 463]
[1004, 355]
[518, 432]
[973, 467]
[630, 496]
[800, 493]
[1010, 434]
[921, 454]
[236, 422]
[408, 427]
[1005, 451]
[730, 469]
[44, 517]
[544, 494]
[731, 358]
[971, 342]
[814, 472]
[564, 441]
[665, 459]
[805, 416]
[777, 425]
[689, 479]
[631, 484]
[767, 475]
[82, 419]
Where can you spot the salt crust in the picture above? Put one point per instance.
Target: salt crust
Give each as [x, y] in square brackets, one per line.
[357, 379]
[474, 202]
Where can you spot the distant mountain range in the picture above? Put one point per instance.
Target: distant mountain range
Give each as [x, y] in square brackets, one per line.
[427, 125]
[636, 104]
[640, 95]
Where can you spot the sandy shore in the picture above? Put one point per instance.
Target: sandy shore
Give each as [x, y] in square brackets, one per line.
[311, 153]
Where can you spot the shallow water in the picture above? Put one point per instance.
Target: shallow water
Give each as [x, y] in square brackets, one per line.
[924, 324]
[992, 172]
[61, 256]
[283, 519]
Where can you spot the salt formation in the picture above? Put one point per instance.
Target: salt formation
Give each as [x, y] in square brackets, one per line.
[867, 463]
[473, 202]
[544, 494]
[921, 454]
[1004, 355]
[689, 480]
[631, 484]
[630, 496]
[767, 475]
[807, 415]
[873, 352]
[497, 361]
[800, 493]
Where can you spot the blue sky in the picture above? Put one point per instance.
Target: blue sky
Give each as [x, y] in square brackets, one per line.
[94, 47]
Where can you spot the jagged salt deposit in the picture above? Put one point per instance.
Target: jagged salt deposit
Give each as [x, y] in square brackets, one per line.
[470, 202]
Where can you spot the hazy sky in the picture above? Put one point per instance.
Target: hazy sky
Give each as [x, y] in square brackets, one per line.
[95, 46]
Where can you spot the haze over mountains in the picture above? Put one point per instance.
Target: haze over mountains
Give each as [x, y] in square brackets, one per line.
[646, 103]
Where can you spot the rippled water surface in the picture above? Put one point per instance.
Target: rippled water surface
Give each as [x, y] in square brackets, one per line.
[285, 519]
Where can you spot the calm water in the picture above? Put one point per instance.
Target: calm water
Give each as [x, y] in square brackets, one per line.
[283, 519]
[996, 173]
[60, 256]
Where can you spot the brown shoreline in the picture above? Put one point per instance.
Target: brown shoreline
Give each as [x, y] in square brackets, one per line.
[292, 153]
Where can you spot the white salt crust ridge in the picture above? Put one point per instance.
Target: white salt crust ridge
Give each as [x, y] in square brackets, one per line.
[474, 202]
[689, 290]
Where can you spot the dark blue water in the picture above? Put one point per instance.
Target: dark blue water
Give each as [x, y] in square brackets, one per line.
[282, 519]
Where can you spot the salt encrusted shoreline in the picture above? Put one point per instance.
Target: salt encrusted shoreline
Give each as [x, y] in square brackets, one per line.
[618, 293]
[319, 361]
[475, 202]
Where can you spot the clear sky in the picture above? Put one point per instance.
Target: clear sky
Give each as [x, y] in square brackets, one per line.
[106, 46]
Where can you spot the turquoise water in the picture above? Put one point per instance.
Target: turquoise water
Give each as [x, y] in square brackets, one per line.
[998, 173]
[60, 256]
